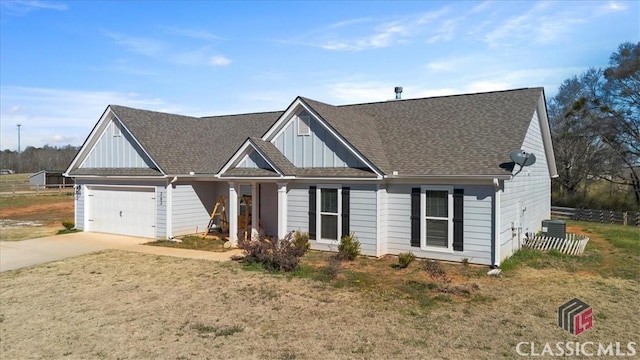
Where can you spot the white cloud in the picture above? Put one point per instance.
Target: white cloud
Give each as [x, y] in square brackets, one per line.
[445, 32]
[20, 7]
[219, 60]
[58, 116]
[385, 36]
[195, 34]
[139, 45]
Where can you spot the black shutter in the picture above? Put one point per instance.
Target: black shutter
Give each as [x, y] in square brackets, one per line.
[312, 212]
[345, 210]
[458, 221]
[415, 217]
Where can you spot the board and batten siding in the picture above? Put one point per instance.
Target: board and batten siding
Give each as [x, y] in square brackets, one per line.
[254, 161]
[526, 199]
[116, 149]
[362, 214]
[318, 149]
[478, 221]
[191, 205]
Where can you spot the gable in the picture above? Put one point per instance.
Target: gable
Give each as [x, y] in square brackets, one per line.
[307, 144]
[116, 148]
[254, 161]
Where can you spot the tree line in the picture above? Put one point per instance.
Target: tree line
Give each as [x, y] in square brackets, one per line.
[595, 127]
[34, 159]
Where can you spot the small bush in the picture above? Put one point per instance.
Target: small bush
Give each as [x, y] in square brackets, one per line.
[275, 254]
[69, 225]
[435, 271]
[404, 259]
[349, 247]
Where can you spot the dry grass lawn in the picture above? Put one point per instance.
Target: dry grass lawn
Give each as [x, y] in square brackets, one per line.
[47, 211]
[120, 305]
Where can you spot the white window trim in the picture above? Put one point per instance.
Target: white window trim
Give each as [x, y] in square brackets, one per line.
[319, 214]
[306, 120]
[423, 218]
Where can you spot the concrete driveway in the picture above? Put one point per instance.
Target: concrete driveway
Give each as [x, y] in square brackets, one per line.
[19, 254]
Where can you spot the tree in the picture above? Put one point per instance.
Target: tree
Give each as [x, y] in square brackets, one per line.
[613, 112]
[578, 151]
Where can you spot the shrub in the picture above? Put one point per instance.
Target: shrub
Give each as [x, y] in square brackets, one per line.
[435, 271]
[404, 259]
[275, 254]
[349, 247]
[69, 225]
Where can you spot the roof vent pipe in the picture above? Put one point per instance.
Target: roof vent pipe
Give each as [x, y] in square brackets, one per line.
[398, 91]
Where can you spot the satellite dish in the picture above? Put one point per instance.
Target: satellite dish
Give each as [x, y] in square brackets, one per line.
[523, 158]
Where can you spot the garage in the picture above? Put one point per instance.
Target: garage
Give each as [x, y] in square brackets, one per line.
[122, 210]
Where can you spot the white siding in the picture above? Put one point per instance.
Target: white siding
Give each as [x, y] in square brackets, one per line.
[319, 149]
[161, 212]
[478, 222]
[526, 199]
[383, 225]
[298, 208]
[79, 207]
[363, 214]
[116, 150]
[192, 204]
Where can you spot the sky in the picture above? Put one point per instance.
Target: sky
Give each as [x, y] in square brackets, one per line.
[63, 62]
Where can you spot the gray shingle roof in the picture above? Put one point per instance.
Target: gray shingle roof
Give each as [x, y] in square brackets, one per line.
[250, 172]
[451, 135]
[279, 160]
[458, 135]
[182, 144]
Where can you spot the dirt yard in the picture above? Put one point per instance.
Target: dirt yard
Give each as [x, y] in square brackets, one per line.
[28, 216]
[119, 305]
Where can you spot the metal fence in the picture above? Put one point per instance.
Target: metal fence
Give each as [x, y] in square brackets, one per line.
[631, 218]
[27, 189]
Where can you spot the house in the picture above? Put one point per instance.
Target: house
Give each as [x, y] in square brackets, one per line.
[432, 176]
[49, 178]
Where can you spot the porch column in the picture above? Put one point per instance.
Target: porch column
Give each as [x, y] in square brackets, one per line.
[282, 210]
[232, 205]
[255, 210]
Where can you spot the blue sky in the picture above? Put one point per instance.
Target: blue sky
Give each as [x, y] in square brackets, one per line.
[63, 62]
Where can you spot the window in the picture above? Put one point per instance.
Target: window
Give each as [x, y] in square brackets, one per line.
[303, 126]
[329, 207]
[329, 214]
[437, 218]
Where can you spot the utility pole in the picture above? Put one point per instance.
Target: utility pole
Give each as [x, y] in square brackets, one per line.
[19, 138]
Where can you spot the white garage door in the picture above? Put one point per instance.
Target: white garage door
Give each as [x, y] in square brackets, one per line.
[122, 210]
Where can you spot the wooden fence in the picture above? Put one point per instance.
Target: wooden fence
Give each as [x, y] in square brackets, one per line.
[631, 218]
[26, 189]
[573, 244]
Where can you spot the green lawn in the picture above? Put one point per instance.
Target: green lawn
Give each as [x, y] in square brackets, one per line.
[14, 179]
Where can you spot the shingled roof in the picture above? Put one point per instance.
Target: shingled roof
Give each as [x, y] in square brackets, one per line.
[183, 144]
[455, 135]
[459, 135]
[451, 135]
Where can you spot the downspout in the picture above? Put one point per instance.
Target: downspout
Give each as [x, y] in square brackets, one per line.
[497, 230]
